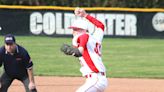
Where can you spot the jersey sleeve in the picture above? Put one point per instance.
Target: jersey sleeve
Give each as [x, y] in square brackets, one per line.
[27, 60]
[99, 30]
[82, 40]
[1, 57]
[96, 22]
[2, 51]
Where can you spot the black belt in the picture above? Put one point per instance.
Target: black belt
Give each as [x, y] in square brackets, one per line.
[90, 75]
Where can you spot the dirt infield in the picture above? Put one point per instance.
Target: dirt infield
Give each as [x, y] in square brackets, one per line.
[70, 84]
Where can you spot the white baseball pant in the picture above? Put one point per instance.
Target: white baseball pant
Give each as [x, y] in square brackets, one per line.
[95, 82]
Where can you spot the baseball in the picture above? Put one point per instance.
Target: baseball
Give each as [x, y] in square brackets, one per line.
[77, 11]
[0, 28]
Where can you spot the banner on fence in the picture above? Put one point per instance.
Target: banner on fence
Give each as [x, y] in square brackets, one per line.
[54, 21]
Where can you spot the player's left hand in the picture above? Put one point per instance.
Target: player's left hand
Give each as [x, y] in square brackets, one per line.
[31, 86]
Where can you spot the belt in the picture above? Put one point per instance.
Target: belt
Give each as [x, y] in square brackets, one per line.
[90, 75]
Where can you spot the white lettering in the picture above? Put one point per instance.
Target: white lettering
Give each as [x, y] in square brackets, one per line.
[68, 19]
[36, 23]
[110, 23]
[120, 24]
[49, 23]
[130, 25]
[58, 23]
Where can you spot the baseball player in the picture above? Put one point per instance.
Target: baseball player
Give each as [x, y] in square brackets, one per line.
[88, 48]
[17, 65]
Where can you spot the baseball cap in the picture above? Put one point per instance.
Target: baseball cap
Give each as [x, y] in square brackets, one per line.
[79, 23]
[9, 39]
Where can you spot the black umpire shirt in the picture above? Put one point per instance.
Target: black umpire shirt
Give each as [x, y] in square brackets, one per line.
[15, 65]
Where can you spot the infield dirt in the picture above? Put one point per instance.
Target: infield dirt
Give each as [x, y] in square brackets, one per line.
[70, 84]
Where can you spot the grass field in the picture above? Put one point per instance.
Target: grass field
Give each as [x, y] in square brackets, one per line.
[130, 58]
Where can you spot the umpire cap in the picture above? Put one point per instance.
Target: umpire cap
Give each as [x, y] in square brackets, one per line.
[9, 39]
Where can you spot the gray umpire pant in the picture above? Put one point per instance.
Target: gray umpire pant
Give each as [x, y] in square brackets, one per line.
[6, 81]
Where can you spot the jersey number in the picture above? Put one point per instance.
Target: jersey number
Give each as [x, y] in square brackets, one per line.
[97, 49]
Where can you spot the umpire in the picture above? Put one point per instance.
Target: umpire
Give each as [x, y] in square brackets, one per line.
[17, 65]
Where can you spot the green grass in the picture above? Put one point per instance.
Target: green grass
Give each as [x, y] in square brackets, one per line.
[130, 58]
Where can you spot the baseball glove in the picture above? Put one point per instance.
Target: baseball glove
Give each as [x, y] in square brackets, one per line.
[66, 49]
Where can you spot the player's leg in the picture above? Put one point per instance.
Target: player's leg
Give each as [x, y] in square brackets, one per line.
[95, 83]
[102, 83]
[89, 85]
[91, 89]
[25, 82]
[5, 82]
